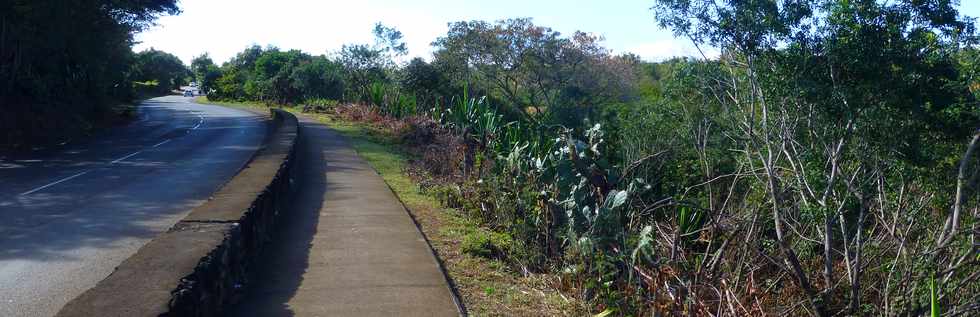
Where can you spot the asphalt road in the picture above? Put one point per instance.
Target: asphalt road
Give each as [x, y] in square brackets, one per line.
[69, 215]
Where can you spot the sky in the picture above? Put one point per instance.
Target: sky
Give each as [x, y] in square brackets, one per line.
[223, 28]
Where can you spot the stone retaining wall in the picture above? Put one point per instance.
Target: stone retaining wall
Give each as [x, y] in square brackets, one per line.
[204, 262]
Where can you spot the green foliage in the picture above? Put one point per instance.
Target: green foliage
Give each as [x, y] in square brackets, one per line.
[424, 81]
[486, 244]
[230, 85]
[530, 69]
[147, 88]
[275, 76]
[318, 78]
[389, 41]
[162, 67]
[205, 72]
[808, 169]
[391, 101]
[777, 173]
[366, 65]
[319, 105]
[290, 77]
[63, 65]
[833, 110]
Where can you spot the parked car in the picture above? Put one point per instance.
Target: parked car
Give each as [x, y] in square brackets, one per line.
[188, 93]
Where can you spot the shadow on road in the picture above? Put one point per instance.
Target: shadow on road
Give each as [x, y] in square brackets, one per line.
[279, 273]
[110, 202]
[70, 214]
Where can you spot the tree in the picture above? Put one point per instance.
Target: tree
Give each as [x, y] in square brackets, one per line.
[205, 72]
[841, 108]
[319, 78]
[532, 67]
[164, 68]
[366, 64]
[281, 77]
[272, 71]
[230, 85]
[424, 81]
[199, 65]
[209, 78]
[389, 41]
[64, 64]
[970, 67]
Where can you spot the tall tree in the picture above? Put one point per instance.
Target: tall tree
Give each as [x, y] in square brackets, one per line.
[164, 68]
[531, 67]
[319, 78]
[366, 64]
[64, 63]
[205, 72]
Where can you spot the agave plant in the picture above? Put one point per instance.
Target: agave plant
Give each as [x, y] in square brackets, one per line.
[404, 106]
[377, 94]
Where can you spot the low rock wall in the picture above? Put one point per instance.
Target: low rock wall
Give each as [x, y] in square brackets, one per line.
[204, 262]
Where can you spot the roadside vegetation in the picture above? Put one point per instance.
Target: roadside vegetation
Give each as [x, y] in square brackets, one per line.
[823, 164]
[487, 286]
[68, 67]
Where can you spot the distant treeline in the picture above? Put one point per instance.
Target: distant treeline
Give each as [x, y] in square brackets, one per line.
[519, 66]
[65, 64]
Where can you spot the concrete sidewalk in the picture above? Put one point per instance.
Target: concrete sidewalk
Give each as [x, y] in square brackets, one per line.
[348, 247]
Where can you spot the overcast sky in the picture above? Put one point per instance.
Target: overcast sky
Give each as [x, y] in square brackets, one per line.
[223, 28]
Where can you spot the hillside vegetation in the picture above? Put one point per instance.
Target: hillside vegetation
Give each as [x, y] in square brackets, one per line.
[824, 163]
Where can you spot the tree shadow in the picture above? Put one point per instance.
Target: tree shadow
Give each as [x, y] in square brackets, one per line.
[279, 272]
[110, 200]
[57, 241]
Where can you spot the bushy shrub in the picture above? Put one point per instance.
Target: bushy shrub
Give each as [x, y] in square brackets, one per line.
[318, 105]
[487, 244]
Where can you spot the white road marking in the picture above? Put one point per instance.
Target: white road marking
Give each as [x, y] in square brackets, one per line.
[52, 184]
[199, 122]
[161, 143]
[125, 157]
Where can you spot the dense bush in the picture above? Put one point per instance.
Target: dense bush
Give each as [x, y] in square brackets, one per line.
[274, 76]
[161, 67]
[64, 64]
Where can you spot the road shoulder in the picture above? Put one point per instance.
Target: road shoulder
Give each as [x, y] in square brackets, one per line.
[347, 246]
